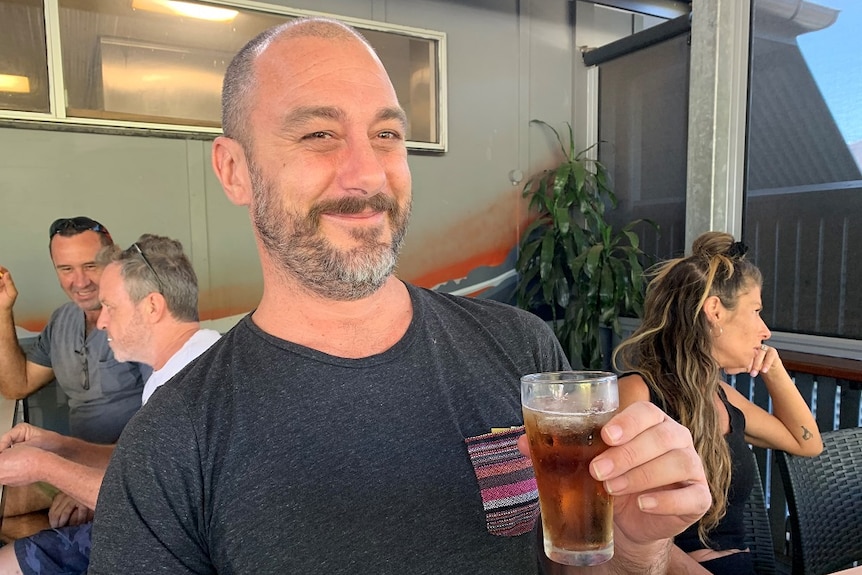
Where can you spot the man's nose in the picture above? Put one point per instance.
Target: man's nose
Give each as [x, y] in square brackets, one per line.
[80, 278]
[102, 320]
[362, 169]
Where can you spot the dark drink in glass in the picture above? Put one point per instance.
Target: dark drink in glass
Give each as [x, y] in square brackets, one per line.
[563, 415]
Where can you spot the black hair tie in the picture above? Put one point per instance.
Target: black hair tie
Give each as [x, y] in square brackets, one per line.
[737, 250]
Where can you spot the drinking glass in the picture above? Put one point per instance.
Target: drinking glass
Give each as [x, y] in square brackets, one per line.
[563, 415]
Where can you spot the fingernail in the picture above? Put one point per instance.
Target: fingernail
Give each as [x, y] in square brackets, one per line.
[602, 468]
[753, 373]
[645, 502]
[616, 485]
[614, 432]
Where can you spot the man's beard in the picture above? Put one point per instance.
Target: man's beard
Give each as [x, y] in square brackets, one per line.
[129, 346]
[295, 243]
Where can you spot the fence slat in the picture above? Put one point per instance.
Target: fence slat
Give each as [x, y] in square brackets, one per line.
[827, 392]
[848, 416]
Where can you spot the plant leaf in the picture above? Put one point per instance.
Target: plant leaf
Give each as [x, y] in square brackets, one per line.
[572, 259]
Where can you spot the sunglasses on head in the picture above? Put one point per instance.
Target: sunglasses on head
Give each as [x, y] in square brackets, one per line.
[76, 226]
[137, 249]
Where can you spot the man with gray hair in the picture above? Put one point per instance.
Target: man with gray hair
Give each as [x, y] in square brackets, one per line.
[149, 297]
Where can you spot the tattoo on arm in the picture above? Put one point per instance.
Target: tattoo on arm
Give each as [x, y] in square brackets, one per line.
[806, 434]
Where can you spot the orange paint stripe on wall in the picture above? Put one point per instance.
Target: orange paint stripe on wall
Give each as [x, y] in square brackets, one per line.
[461, 269]
[245, 302]
[220, 312]
[34, 324]
[37, 324]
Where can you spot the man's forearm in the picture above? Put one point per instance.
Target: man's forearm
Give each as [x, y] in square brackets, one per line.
[653, 559]
[682, 564]
[13, 362]
[84, 452]
[81, 482]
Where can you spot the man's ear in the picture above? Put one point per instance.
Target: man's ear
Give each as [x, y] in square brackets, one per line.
[155, 306]
[231, 168]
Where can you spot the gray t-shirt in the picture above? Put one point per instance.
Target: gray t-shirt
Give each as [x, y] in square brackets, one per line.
[103, 398]
[269, 457]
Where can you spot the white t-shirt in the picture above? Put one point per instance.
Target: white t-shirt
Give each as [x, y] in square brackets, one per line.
[196, 345]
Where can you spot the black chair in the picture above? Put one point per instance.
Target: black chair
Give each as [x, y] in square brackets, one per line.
[758, 535]
[824, 497]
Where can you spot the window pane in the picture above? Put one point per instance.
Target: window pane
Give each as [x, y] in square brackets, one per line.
[23, 59]
[643, 134]
[412, 65]
[803, 211]
[163, 62]
[140, 61]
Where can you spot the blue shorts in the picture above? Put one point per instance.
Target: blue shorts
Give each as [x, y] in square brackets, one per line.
[63, 551]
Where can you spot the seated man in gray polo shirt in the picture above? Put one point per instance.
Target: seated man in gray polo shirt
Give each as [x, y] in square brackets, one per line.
[103, 393]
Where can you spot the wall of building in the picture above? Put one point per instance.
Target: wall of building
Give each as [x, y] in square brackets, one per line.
[509, 61]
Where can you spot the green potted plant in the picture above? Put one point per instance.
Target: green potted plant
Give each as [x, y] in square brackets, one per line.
[574, 269]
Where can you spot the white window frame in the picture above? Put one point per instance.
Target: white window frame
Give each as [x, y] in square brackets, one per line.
[58, 119]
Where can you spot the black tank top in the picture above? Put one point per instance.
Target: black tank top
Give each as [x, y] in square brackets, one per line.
[730, 531]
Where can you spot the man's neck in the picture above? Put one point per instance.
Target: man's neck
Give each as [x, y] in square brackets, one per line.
[90, 319]
[170, 341]
[350, 329]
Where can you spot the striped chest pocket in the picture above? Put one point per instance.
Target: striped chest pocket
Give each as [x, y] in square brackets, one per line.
[506, 482]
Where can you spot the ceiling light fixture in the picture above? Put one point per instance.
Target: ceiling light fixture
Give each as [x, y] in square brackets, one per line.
[198, 11]
[14, 84]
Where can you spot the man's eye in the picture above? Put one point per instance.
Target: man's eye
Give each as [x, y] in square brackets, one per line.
[390, 135]
[317, 136]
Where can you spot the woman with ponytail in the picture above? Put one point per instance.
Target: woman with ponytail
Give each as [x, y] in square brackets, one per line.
[702, 320]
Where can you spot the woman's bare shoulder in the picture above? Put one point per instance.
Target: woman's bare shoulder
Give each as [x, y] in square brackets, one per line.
[633, 388]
